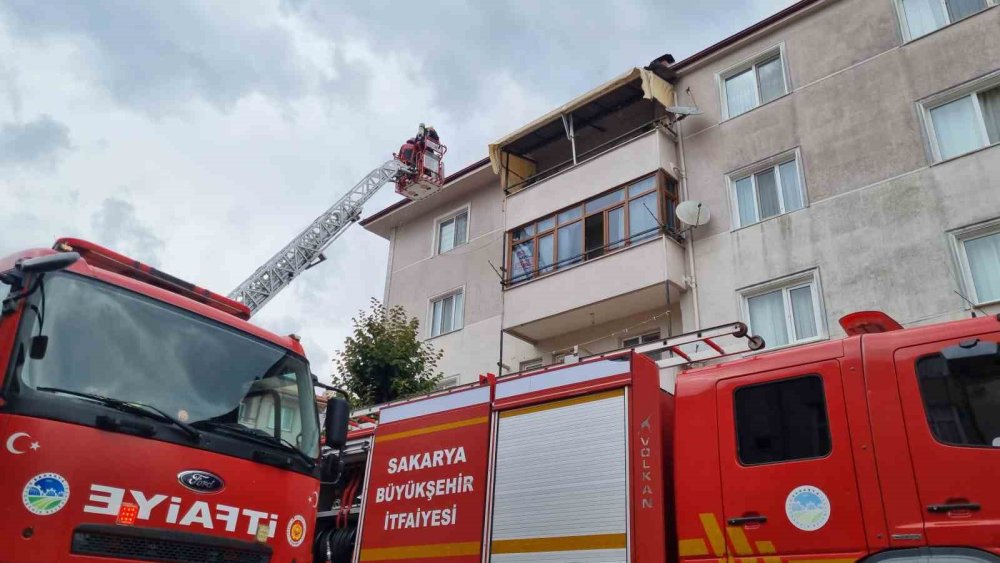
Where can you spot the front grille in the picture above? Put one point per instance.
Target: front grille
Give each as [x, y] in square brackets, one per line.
[147, 544]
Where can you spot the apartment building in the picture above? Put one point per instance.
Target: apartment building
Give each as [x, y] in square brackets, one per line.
[845, 150]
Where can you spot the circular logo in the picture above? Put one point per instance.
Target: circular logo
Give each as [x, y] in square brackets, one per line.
[807, 508]
[296, 530]
[201, 481]
[45, 493]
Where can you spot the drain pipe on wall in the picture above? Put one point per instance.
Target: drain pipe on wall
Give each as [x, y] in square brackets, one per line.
[692, 275]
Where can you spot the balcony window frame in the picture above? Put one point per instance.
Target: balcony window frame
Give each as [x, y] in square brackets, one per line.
[441, 220]
[969, 89]
[531, 365]
[667, 197]
[904, 25]
[957, 239]
[751, 171]
[775, 51]
[460, 318]
[787, 284]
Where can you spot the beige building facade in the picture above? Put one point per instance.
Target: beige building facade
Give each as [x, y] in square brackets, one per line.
[845, 150]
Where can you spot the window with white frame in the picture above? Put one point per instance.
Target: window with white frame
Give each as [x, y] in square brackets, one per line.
[753, 83]
[785, 312]
[771, 188]
[644, 339]
[978, 249]
[920, 17]
[447, 313]
[966, 119]
[452, 231]
[529, 365]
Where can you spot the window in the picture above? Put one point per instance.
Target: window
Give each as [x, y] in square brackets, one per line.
[962, 402]
[287, 419]
[782, 421]
[447, 313]
[453, 231]
[600, 225]
[529, 365]
[786, 312]
[920, 17]
[753, 83]
[644, 339]
[560, 356]
[966, 123]
[768, 190]
[978, 249]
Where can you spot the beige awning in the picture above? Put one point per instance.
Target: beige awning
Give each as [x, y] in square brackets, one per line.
[653, 88]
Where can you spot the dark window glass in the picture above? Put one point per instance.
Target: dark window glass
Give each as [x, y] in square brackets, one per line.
[782, 421]
[594, 232]
[962, 402]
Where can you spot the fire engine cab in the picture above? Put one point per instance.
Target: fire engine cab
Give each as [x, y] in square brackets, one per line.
[884, 445]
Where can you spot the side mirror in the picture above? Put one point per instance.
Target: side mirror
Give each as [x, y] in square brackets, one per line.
[50, 263]
[335, 425]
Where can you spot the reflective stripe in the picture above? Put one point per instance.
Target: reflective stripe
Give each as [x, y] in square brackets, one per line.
[715, 536]
[420, 551]
[692, 547]
[739, 540]
[430, 429]
[563, 403]
[440, 403]
[562, 543]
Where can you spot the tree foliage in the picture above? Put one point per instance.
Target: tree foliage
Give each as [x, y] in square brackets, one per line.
[384, 358]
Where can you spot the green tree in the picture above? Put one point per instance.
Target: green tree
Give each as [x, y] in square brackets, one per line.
[384, 359]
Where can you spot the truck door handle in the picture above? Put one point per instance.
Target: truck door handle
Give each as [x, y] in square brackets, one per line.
[754, 519]
[938, 508]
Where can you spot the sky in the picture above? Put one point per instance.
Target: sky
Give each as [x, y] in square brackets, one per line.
[200, 137]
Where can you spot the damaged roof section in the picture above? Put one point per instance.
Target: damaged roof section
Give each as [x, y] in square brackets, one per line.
[610, 114]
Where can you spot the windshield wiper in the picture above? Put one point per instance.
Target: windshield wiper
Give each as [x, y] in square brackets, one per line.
[139, 409]
[259, 437]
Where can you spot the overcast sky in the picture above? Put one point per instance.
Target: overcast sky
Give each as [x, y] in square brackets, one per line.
[201, 136]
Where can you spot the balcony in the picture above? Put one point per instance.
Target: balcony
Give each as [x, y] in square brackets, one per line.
[614, 286]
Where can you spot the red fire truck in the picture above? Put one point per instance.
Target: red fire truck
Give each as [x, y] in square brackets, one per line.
[883, 445]
[143, 418]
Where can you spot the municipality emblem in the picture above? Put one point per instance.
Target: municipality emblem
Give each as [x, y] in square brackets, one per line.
[807, 508]
[45, 493]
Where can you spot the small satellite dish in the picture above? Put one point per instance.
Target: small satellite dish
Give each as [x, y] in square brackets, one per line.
[693, 213]
[684, 110]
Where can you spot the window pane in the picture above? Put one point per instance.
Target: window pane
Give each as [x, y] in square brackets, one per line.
[961, 404]
[459, 316]
[436, 318]
[521, 261]
[984, 262]
[570, 244]
[447, 314]
[767, 191]
[546, 254]
[959, 9]
[616, 227]
[767, 318]
[461, 229]
[570, 214]
[989, 101]
[741, 93]
[956, 127]
[923, 16]
[643, 217]
[594, 235]
[524, 232]
[546, 224]
[605, 201]
[771, 76]
[745, 201]
[791, 190]
[803, 315]
[446, 236]
[642, 186]
[782, 421]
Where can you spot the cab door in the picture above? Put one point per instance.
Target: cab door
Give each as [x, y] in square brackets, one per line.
[950, 392]
[788, 485]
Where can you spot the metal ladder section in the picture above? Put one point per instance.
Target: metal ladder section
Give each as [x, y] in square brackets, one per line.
[708, 337]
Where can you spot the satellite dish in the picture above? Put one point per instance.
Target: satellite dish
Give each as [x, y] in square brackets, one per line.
[693, 213]
[684, 110]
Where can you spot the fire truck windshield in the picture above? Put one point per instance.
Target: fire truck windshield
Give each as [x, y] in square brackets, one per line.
[111, 342]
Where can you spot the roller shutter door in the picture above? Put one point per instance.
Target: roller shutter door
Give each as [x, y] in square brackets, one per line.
[561, 482]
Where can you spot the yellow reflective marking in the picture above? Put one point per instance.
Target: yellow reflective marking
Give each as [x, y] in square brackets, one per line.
[713, 532]
[430, 429]
[562, 543]
[693, 547]
[563, 403]
[767, 548]
[739, 540]
[420, 551]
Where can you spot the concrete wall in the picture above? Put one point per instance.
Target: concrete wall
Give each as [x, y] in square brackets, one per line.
[878, 207]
